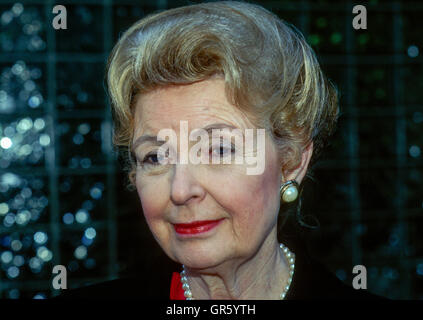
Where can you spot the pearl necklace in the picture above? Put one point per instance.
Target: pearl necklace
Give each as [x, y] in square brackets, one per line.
[290, 256]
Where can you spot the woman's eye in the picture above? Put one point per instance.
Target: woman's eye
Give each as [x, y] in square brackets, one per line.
[153, 163]
[151, 158]
[222, 150]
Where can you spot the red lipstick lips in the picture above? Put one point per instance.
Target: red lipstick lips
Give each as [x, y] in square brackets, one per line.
[196, 227]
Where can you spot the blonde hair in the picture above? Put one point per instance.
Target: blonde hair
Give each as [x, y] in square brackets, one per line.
[270, 71]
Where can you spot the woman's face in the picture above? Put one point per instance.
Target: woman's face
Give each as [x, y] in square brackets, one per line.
[243, 207]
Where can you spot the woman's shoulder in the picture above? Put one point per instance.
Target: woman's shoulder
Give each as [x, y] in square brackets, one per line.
[123, 288]
[152, 283]
[312, 280]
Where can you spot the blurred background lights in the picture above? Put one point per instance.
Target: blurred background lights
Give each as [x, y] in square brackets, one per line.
[44, 254]
[35, 101]
[26, 192]
[84, 128]
[29, 85]
[13, 272]
[37, 183]
[73, 162]
[10, 131]
[5, 241]
[39, 124]
[68, 218]
[90, 233]
[40, 296]
[336, 37]
[82, 97]
[24, 125]
[85, 241]
[63, 128]
[42, 201]
[18, 202]
[35, 214]
[18, 260]
[85, 163]
[73, 266]
[414, 151]
[80, 252]
[23, 217]
[419, 269]
[413, 51]
[17, 9]
[36, 73]
[6, 17]
[13, 294]
[81, 216]
[7, 103]
[10, 179]
[16, 245]
[24, 151]
[40, 237]
[95, 193]
[44, 140]
[26, 24]
[418, 117]
[18, 67]
[27, 241]
[78, 139]
[341, 274]
[9, 220]
[35, 264]
[6, 257]
[389, 273]
[5, 143]
[89, 263]
[4, 208]
[88, 205]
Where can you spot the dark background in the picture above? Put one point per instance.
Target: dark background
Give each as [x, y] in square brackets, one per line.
[62, 191]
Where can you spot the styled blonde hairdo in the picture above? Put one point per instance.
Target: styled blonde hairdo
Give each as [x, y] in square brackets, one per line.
[270, 72]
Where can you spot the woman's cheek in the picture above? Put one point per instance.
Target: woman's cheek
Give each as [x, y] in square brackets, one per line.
[152, 201]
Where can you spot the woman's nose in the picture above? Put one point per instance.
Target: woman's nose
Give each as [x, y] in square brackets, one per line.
[185, 187]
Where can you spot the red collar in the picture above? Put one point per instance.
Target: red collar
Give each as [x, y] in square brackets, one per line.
[176, 291]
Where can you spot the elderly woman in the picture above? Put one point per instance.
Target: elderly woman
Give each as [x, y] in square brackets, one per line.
[228, 66]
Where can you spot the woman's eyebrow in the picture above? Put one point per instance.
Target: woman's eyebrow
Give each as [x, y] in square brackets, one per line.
[208, 128]
[144, 139]
[219, 126]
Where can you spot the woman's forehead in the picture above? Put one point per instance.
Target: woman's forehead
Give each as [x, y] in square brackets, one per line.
[199, 104]
[207, 93]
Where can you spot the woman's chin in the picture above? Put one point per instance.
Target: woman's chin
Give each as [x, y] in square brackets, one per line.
[200, 265]
[200, 253]
[198, 261]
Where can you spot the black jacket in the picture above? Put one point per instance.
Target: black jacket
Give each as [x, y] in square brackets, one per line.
[311, 281]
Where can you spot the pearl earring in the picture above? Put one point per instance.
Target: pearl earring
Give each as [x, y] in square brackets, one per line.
[289, 191]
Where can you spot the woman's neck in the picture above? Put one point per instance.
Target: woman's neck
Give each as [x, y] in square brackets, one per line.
[263, 276]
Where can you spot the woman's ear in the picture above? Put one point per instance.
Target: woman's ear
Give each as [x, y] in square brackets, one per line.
[300, 171]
